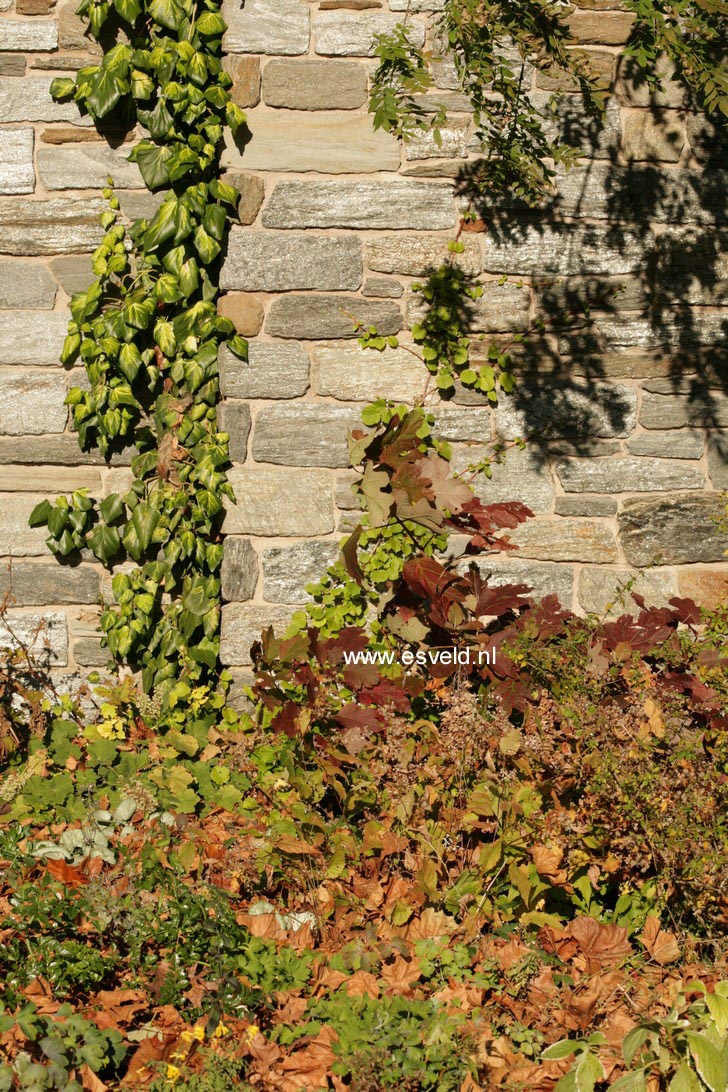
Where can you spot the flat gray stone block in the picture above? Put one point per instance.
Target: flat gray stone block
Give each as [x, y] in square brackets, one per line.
[364, 205]
[60, 226]
[32, 585]
[26, 284]
[17, 174]
[315, 85]
[266, 26]
[304, 434]
[321, 317]
[679, 530]
[628, 474]
[239, 572]
[271, 262]
[86, 166]
[352, 33]
[32, 403]
[288, 569]
[243, 623]
[272, 370]
[275, 502]
[32, 337]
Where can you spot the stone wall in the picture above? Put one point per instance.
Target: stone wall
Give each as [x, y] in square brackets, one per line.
[626, 410]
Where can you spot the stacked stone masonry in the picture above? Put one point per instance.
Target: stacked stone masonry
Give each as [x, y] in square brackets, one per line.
[626, 411]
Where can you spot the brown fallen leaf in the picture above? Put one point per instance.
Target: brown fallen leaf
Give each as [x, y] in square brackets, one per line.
[602, 945]
[661, 945]
[90, 1082]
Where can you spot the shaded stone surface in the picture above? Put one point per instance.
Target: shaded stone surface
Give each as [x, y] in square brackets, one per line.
[628, 474]
[673, 410]
[33, 585]
[567, 250]
[26, 284]
[593, 409]
[315, 85]
[501, 307]
[239, 573]
[368, 204]
[272, 370]
[675, 530]
[273, 501]
[304, 434]
[320, 316]
[287, 569]
[682, 444]
[647, 138]
[272, 262]
[718, 459]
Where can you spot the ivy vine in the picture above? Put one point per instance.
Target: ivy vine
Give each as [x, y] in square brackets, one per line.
[148, 333]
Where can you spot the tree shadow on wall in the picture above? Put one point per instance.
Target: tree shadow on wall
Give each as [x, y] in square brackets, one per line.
[629, 264]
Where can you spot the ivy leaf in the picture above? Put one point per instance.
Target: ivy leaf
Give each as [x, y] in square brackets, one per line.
[210, 24]
[144, 519]
[105, 542]
[128, 9]
[164, 337]
[207, 247]
[238, 346]
[111, 508]
[153, 163]
[39, 515]
[165, 12]
[62, 88]
[139, 313]
[106, 90]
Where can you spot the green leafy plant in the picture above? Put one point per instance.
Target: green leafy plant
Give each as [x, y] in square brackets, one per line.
[147, 332]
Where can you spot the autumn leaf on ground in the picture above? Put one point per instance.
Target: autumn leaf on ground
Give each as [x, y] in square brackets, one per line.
[661, 945]
[603, 945]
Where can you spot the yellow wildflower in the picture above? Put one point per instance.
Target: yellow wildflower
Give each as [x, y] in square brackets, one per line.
[220, 1030]
[251, 1031]
[173, 1073]
[198, 1032]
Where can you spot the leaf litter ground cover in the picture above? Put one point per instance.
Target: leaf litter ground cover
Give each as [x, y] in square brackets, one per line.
[449, 895]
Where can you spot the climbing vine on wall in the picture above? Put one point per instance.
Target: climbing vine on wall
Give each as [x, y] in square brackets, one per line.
[147, 332]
